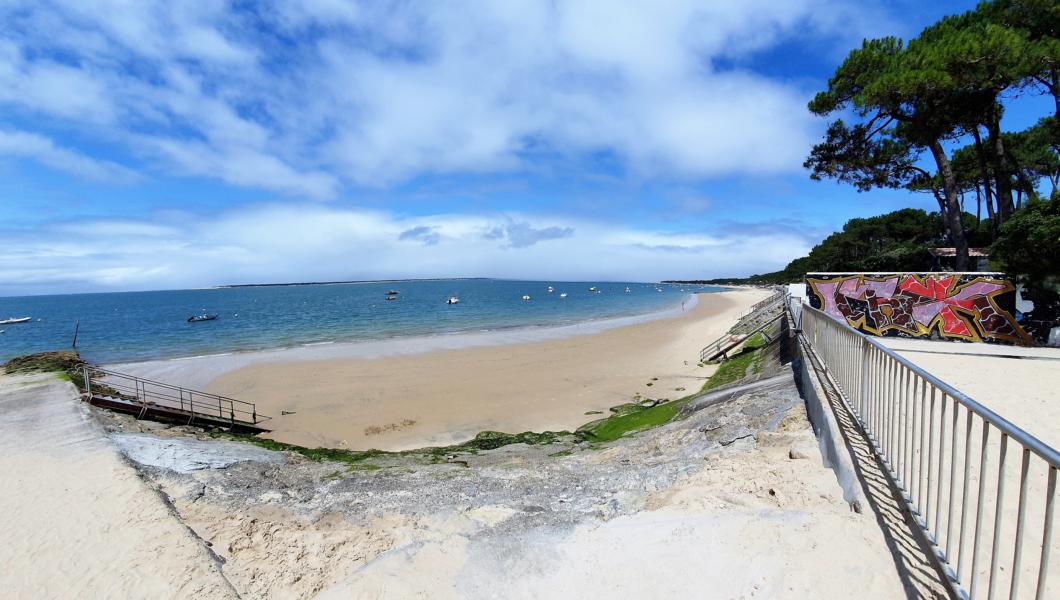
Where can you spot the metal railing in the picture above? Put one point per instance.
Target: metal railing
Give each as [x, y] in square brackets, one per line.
[939, 448]
[766, 303]
[776, 297]
[753, 320]
[727, 342]
[153, 394]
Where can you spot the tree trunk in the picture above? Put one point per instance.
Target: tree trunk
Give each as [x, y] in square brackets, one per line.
[952, 215]
[986, 175]
[1054, 89]
[978, 209]
[1002, 172]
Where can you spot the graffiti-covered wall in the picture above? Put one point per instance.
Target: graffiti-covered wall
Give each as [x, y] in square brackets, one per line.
[973, 307]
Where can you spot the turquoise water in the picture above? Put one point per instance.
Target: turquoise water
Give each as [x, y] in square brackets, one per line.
[139, 326]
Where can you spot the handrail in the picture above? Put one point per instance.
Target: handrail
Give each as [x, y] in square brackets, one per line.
[911, 420]
[146, 391]
[1045, 451]
[726, 343]
[777, 296]
[714, 348]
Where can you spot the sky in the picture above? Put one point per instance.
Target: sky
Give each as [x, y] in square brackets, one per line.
[163, 145]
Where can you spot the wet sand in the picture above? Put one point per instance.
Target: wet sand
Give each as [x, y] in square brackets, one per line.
[447, 396]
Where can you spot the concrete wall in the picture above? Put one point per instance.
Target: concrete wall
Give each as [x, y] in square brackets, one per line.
[971, 307]
[830, 439]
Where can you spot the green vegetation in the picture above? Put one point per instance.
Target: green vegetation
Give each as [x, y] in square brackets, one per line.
[945, 85]
[67, 364]
[736, 368]
[896, 241]
[755, 342]
[43, 362]
[486, 440]
[631, 419]
[317, 454]
[925, 115]
[1030, 242]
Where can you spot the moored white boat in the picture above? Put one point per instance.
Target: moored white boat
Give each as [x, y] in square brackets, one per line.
[453, 300]
[13, 320]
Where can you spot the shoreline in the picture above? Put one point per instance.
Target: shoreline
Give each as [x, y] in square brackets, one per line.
[197, 371]
[447, 396]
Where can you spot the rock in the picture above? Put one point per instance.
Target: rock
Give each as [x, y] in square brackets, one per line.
[797, 454]
[185, 455]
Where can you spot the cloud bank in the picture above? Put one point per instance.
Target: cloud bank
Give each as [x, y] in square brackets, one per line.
[314, 242]
[307, 98]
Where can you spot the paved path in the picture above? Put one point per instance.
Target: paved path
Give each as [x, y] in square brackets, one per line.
[1024, 390]
[977, 349]
[77, 521]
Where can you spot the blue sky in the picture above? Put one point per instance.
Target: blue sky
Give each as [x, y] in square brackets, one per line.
[163, 145]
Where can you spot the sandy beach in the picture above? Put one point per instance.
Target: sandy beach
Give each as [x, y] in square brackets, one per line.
[78, 521]
[447, 396]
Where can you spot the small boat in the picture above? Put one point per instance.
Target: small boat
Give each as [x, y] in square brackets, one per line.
[551, 289]
[627, 290]
[453, 300]
[392, 292]
[593, 289]
[14, 320]
[203, 317]
[526, 298]
[563, 295]
[391, 297]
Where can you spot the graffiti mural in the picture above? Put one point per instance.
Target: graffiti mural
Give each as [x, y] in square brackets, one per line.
[973, 307]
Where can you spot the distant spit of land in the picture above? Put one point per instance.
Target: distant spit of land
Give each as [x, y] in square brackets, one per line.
[244, 285]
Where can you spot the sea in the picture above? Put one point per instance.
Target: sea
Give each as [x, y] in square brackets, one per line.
[125, 327]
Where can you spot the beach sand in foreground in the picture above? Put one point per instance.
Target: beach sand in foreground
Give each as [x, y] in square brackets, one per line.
[448, 396]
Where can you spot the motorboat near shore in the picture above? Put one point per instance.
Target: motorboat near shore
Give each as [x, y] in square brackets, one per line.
[202, 317]
[13, 320]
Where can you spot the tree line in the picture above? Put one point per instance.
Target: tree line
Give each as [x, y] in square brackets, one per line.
[925, 115]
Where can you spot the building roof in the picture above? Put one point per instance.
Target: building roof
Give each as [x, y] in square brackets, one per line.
[951, 252]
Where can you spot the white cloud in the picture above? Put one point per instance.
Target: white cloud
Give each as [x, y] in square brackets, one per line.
[271, 243]
[20, 144]
[305, 98]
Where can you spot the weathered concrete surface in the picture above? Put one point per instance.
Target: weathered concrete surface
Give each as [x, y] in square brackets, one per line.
[185, 454]
[722, 503]
[76, 520]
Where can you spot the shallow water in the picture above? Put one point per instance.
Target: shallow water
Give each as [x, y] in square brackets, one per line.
[140, 326]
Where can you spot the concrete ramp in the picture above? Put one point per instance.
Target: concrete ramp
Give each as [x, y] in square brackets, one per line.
[77, 521]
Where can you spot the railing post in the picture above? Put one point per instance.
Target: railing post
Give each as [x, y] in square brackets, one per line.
[864, 375]
[88, 380]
